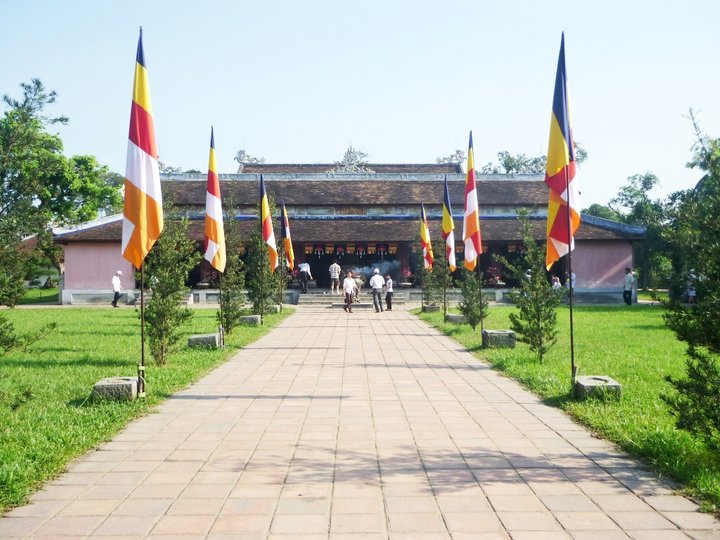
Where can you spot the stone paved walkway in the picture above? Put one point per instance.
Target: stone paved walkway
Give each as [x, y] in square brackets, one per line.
[356, 427]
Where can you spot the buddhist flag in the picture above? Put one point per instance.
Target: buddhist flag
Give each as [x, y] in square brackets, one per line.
[425, 240]
[143, 213]
[268, 234]
[448, 229]
[563, 208]
[287, 239]
[214, 231]
[471, 214]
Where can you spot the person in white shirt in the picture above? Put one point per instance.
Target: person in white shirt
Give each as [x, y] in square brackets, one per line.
[388, 292]
[376, 284]
[349, 290]
[334, 277]
[305, 275]
[628, 286]
[117, 288]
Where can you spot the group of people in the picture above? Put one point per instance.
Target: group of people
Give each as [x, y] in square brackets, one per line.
[377, 285]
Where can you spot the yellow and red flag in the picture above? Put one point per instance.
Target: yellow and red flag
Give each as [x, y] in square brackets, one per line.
[214, 230]
[448, 229]
[287, 239]
[425, 240]
[471, 214]
[563, 207]
[143, 212]
[268, 234]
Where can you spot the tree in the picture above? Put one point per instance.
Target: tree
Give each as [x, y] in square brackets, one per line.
[435, 283]
[166, 268]
[473, 306]
[693, 232]
[458, 157]
[634, 206]
[521, 164]
[232, 291]
[262, 283]
[602, 211]
[260, 280]
[536, 301]
[41, 187]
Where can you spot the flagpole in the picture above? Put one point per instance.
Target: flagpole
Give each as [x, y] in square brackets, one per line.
[282, 274]
[141, 367]
[571, 288]
[220, 309]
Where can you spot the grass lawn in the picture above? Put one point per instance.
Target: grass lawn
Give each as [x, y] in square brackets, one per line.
[631, 345]
[46, 416]
[39, 296]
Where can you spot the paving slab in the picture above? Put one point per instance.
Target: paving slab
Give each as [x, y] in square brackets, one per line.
[356, 426]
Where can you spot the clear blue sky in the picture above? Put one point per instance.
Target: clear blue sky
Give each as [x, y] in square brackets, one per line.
[403, 81]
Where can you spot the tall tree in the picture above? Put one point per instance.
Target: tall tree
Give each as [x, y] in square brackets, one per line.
[694, 231]
[232, 294]
[535, 299]
[40, 187]
[167, 268]
[508, 163]
[634, 205]
[602, 211]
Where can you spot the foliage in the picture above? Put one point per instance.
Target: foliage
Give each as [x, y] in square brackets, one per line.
[41, 187]
[536, 301]
[473, 306]
[458, 157]
[515, 164]
[46, 418]
[635, 206]
[602, 211]
[9, 340]
[232, 292]
[430, 280]
[166, 271]
[13, 267]
[694, 234]
[262, 283]
[521, 164]
[636, 349]
[441, 277]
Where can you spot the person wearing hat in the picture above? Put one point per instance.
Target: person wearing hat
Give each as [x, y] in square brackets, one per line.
[376, 284]
[117, 287]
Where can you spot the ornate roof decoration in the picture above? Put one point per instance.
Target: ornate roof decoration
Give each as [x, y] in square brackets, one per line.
[354, 161]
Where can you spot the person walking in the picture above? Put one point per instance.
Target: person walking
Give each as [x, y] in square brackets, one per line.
[388, 292]
[334, 278]
[117, 288]
[628, 286]
[349, 290]
[305, 275]
[376, 284]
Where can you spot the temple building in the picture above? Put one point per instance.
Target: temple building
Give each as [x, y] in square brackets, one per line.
[364, 217]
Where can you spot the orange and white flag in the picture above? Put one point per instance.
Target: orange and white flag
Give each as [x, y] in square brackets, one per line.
[268, 234]
[471, 214]
[214, 230]
[143, 212]
[425, 242]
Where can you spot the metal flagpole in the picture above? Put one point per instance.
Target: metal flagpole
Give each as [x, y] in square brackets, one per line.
[571, 288]
[221, 328]
[141, 367]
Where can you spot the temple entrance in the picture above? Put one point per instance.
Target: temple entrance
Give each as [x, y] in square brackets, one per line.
[319, 264]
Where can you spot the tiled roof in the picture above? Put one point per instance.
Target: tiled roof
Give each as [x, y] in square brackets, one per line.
[339, 230]
[378, 168]
[332, 192]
